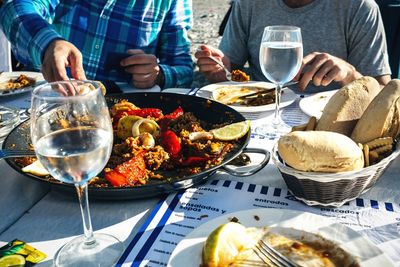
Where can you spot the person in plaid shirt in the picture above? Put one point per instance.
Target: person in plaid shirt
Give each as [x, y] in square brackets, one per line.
[148, 38]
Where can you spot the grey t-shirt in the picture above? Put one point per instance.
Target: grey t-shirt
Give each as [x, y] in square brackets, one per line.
[348, 29]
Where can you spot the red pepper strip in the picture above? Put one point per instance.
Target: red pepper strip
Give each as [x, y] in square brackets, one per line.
[146, 112]
[170, 142]
[193, 161]
[174, 114]
[115, 178]
[133, 169]
[128, 173]
[164, 121]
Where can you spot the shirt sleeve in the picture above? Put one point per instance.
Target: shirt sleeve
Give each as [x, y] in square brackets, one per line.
[174, 53]
[26, 23]
[236, 33]
[367, 41]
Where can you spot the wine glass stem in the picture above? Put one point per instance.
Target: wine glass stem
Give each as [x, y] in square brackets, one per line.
[277, 118]
[84, 205]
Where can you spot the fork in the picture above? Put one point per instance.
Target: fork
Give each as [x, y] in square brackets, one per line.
[11, 153]
[227, 72]
[269, 255]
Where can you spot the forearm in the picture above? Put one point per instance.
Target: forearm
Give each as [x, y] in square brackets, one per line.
[25, 25]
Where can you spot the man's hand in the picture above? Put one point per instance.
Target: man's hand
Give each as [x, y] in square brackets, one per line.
[144, 69]
[323, 68]
[59, 55]
[211, 70]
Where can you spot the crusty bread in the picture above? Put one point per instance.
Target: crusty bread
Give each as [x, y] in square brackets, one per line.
[382, 116]
[320, 151]
[346, 106]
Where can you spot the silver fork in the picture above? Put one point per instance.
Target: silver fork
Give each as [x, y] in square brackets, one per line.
[269, 255]
[227, 72]
[11, 153]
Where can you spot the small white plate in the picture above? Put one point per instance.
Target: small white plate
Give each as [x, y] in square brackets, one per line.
[6, 76]
[189, 251]
[313, 105]
[288, 96]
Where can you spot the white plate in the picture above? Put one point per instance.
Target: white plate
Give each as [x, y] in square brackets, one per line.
[314, 105]
[189, 250]
[288, 96]
[5, 76]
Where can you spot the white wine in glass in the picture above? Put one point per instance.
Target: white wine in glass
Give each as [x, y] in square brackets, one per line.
[281, 54]
[72, 136]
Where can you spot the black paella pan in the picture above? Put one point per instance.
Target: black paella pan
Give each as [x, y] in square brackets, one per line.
[209, 111]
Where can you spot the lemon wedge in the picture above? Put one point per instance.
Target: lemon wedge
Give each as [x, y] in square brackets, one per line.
[36, 168]
[12, 260]
[232, 131]
[225, 243]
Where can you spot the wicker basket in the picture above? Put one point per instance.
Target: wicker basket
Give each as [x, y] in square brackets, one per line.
[331, 189]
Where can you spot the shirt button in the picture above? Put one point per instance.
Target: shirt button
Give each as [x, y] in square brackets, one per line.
[97, 46]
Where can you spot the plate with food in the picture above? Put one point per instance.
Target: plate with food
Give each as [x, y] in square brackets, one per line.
[174, 141]
[19, 82]
[304, 238]
[313, 105]
[247, 96]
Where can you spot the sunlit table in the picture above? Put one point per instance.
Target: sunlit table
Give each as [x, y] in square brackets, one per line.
[47, 219]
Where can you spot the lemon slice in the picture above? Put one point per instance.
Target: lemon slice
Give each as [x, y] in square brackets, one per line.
[225, 243]
[232, 131]
[36, 168]
[12, 260]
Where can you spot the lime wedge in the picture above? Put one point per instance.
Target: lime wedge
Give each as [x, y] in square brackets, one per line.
[225, 243]
[232, 131]
[12, 260]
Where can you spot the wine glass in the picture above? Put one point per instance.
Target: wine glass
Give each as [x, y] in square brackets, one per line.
[72, 136]
[281, 54]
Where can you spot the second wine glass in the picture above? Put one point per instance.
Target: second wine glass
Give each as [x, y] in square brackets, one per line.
[281, 54]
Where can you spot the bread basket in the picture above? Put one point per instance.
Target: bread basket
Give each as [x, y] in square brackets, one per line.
[331, 189]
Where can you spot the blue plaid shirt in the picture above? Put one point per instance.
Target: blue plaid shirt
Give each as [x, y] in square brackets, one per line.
[100, 27]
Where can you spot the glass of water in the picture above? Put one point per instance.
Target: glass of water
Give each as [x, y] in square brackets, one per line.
[281, 54]
[72, 136]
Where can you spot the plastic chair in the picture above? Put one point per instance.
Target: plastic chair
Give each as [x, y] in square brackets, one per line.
[390, 11]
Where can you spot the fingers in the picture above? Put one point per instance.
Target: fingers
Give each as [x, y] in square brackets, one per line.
[208, 65]
[138, 58]
[330, 76]
[202, 54]
[143, 67]
[76, 63]
[323, 71]
[312, 64]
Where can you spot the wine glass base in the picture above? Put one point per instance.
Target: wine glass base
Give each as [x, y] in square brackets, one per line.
[272, 131]
[104, 251]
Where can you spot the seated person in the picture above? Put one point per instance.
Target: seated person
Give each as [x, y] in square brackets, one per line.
[342, 41]
[86, 35]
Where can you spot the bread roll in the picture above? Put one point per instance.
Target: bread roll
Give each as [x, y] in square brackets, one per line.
[382, 116]
[320, 151]
[346, 106]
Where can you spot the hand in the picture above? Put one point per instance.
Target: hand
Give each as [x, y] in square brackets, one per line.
[211, 70]
[323, 68]
[58, 56]
[144, 69]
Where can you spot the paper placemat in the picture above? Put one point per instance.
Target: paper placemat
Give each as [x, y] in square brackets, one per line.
[179, 214]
